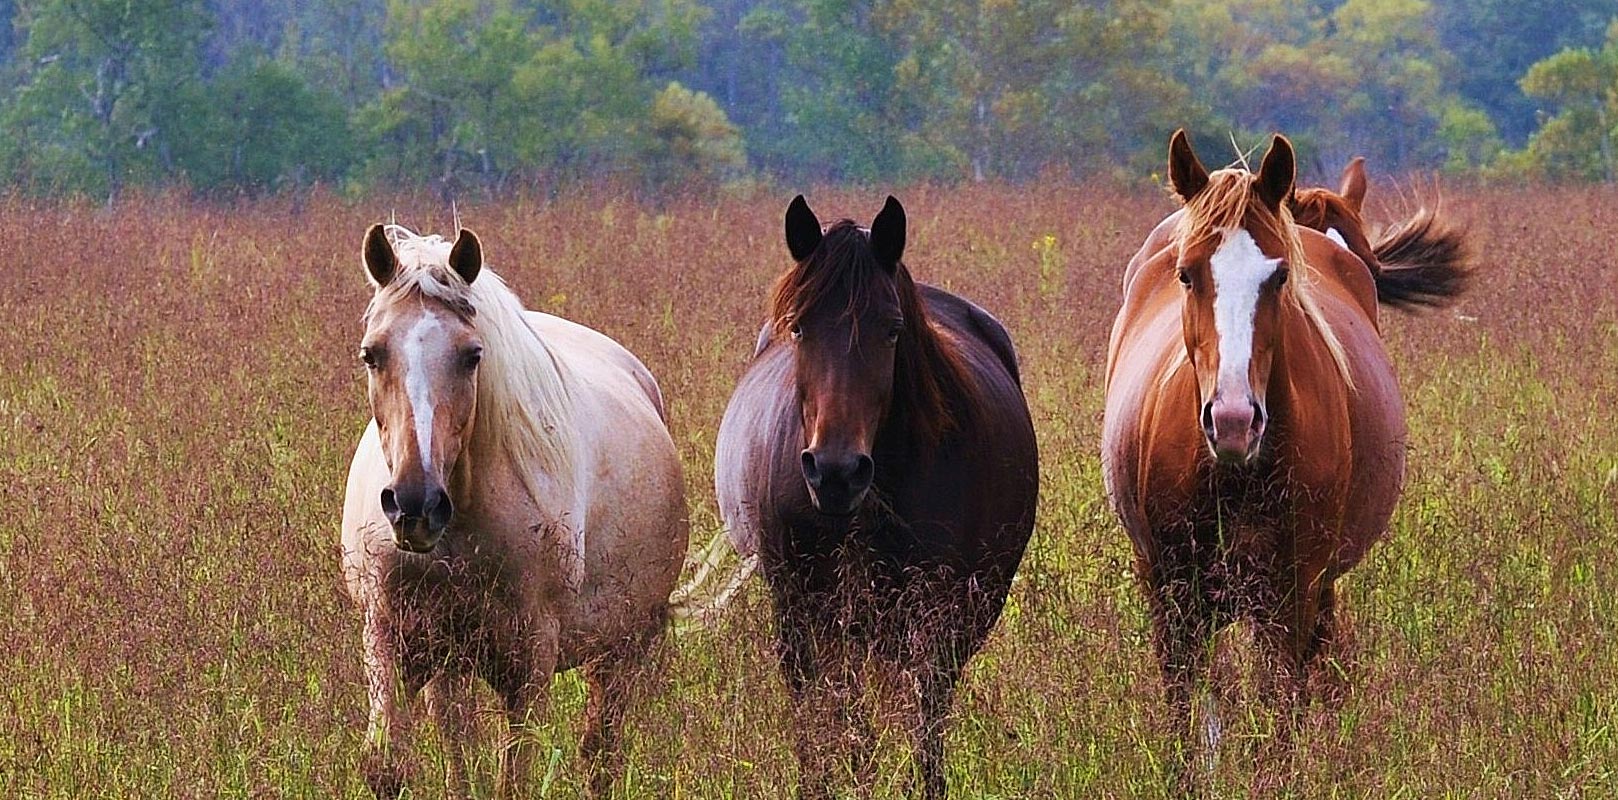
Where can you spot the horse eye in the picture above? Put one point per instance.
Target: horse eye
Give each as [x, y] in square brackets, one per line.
[1185, 277]
[893, 332]
[471, 358]
[1281, 277]
[368, 357]
[797, 332]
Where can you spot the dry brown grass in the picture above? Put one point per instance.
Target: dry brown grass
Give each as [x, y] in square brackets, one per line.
[179, 397]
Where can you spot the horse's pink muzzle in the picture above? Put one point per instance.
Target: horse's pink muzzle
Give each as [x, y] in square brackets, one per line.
[1234, 429]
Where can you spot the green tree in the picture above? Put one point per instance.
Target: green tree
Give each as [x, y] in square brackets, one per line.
[91, 108]
[489, 91]
[259, 125]
[1578, 140]
[1494, 42]
[691, 139]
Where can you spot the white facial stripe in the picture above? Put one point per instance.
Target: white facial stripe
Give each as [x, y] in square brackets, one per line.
[1239, 272]
[419, 384]
[1332, 234]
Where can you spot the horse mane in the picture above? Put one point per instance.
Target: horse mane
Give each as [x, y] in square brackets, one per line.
[1311, 208]
[523, 404]
[1230, 200]
[931, 395]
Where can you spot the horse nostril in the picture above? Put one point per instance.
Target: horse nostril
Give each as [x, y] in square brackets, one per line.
[390, 505]
[811, 469]
[1207, 419]
[437, 510]
[864, 471]
[1258, 416]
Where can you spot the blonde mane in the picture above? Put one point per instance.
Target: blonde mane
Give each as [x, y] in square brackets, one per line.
[523, 404]
[1231, 201]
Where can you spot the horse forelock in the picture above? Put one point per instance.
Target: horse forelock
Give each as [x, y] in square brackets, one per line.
[523, 403]
[930, 392]
[1230, 200]
[842, 266]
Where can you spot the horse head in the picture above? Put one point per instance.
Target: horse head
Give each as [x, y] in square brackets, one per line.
[421, 353]
[1237, 249]
[843, 310]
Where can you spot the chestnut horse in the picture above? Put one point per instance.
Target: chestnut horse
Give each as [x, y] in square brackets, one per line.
[514, 509]
[1417, 262]
[879, 459]
[1254, 435]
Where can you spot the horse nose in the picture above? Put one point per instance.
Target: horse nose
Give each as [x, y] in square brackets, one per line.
[1233, 428]
[430, 504]
[844, 476]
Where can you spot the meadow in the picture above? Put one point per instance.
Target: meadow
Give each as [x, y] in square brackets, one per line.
[180, 396]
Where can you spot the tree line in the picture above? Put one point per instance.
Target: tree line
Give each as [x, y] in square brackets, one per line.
[494, 95]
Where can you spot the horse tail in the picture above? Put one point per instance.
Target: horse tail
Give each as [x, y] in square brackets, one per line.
[698, 602]
[1424, 263]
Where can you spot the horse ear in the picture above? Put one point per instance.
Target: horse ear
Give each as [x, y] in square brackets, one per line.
[803, 229]
[466, 257]
[380, 262]
[1276, 174]
[1352, 186]
[1186, 173]
[888, 234]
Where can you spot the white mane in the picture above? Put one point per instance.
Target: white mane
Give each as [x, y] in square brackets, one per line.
[524, 407]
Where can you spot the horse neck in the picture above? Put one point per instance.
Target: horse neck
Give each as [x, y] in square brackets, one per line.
[929, 391]
[522, 438]
[1302, 362]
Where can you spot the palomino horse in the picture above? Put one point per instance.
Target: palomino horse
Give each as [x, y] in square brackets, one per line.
[1418, 262]
[514, 509]
[879, 459]
[1254, 438]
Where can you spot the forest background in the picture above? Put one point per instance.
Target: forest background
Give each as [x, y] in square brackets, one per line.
[490, 97]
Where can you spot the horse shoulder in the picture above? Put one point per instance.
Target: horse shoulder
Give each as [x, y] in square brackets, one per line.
[1157, 242]
[967, 319]
[363, 521]
[599, 355]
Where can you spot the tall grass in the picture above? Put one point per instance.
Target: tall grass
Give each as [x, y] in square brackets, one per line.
[179, 397]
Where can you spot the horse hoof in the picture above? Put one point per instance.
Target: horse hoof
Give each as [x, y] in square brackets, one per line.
[386, 777]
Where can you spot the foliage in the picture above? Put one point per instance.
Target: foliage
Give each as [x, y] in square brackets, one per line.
[89, 111]
[1578, 140]
[487, 96]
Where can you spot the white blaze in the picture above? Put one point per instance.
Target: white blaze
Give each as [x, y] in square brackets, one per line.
[418, 381]
[1239, 272]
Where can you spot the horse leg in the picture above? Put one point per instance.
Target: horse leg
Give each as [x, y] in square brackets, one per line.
[1182, 627]
[1326, 645]
[799, 660]
[1287, 638]
[611, 679]
[525, 690]
[935, 693]
[446, 697]
[384, 770]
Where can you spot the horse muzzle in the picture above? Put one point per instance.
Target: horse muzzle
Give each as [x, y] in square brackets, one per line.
[1234, 429]
[418, 515]
[837, 483]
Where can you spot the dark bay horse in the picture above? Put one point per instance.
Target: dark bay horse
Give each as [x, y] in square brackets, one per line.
[1254, 435]
[879, 458]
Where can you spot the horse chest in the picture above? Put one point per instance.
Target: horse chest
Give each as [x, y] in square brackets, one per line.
[450, 609]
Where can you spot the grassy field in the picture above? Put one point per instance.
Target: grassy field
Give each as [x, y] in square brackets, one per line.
[180, 395]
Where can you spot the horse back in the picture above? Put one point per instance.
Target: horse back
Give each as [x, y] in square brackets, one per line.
[968, 320]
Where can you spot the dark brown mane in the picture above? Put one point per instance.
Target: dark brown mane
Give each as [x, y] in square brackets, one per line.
[932, 393]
